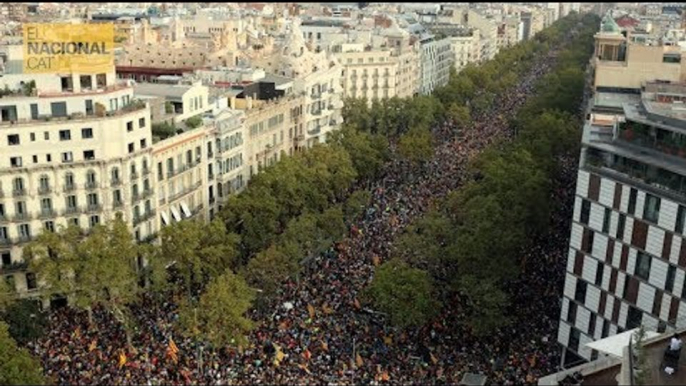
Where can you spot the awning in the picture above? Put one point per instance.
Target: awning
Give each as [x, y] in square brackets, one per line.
[175, 214]
[614, 345]
[165, 218]
[184, 209]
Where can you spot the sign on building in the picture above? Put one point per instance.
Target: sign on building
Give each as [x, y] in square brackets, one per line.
[68, 48]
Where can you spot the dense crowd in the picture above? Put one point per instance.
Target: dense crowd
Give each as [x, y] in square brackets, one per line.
[316, 331]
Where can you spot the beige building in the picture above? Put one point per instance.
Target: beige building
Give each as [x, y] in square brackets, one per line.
[74, 146]
[185, 100]
[621, 63]
[466, 50]
[370, 74]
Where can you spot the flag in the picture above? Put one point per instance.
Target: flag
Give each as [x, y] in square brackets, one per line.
[433, 358]
[172, 350]
[92, 346]
[385, 377]
[388, 340]
[279, 355]
[122, 359]
[304, 367]
[358, 360]
[307, 354]
[327, 310]
[357, 304]
[77, 332]
[325, 346]
[310, 310]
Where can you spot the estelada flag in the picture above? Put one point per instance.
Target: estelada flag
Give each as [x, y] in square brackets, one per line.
[122, 359]
[92, 346]
[172, 351]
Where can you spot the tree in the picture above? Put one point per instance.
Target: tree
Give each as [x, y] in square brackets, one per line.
[163, 130]
[459, 115]
[194, 122]
[17, 366]
[269, 269]
[406, 294]
[219, 315]
[487, 301]
[98, 269]
[199, 251]
[416, 145]
[368, 152]
[356, 204]
[26, 320]
[7, 295]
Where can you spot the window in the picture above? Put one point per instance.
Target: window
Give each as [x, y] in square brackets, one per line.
[15, 162]
[632, 201]
[671, 273]
[129, 126]
[67, 157]
[44, 183]
[633, 318]
[89, 155]
[170, 166]
[35, 159]
[680, 220]
[89, 107]
[606, 329]
[33, 137]
[131, 148]
[143, 143]
[69, 180]
[160, 171]
[18, 185]
[599, 273]
[117, 197]
[13, 139]
[92, 199]
[580, 293]
[620, 226]
[20, 207]
[74, 221]
[48, 158]
[651, 210]
[31, 282]
[71, 202]
[585, 211]
[141, 123]
[90, 178]
[24, 231]
[606, 221]
[115, 174]
[46, 205]
[642, 266]
[46, 135]
[571, 312]
[101, 80]
[86, 82]
[6, 258]
[574, 338]
[4, 235]
[94, 220]
[49, 226]
[58, 109]
[34, 111]
[87, 133]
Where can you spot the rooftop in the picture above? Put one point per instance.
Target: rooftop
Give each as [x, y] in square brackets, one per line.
[175, 91]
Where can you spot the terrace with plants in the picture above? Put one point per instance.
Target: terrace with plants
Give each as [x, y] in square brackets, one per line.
[665, 141]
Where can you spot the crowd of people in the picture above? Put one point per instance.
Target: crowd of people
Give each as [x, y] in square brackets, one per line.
[316, 331]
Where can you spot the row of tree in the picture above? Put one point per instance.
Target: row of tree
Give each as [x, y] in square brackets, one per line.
[470, 244]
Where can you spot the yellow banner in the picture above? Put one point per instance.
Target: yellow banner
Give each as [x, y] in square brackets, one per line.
[68, 48]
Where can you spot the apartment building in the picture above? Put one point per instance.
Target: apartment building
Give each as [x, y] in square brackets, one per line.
[371, 74]
[436, 59]
[229, 174]
[627, 256]
[621, 62]
[70, 145]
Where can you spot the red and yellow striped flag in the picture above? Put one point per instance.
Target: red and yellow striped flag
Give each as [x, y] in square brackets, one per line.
[172, 350]
[122, 359]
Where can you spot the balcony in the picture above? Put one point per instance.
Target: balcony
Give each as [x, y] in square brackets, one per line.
[2, 194]
[641, 135]
[3, 218]
[47, 213]
[22, 239]
[185, 191]
[134, 176]
[69, 188]
[144, 217]
[316, 131]
[316, 95]
[91, 185]
[117, 204]
[14, 267]
[43, 190]
[18, 192]
[6, 241]
[115, 182]
[146, 171]
[19, 217]
[94, 208]
[71, 211]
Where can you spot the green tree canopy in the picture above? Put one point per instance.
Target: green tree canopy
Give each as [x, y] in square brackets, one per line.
[220, 314]
[17, 366]
[406, 294]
